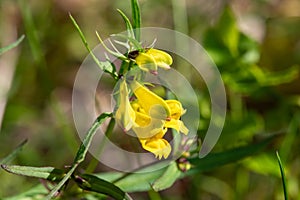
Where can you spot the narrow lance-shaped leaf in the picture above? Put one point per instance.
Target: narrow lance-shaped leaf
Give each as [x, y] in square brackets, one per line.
[115, 53]
[105, 66]
[13, 154]
[136, 15]
[128, 24]
[214, 160]
[48, 173]
[13, 45]
[93, 183]
[81, 153]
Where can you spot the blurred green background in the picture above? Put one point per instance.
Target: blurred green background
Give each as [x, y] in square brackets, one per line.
[255, 44]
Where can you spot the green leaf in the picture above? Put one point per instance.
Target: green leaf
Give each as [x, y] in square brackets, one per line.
[105, 66]
[136, 15]
[48, 173]
[128, 24]
[93, 183]
[168, 178]
[215, 160]
[282, 176]
[11, 46]
[81, 153]
[137, 181]
[13, 154]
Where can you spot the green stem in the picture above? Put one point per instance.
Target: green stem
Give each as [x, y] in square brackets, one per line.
[55, 190]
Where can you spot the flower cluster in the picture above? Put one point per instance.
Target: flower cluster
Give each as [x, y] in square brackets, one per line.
[148, 115]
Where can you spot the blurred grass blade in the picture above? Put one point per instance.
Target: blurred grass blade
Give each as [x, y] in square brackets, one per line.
[168, 178]
[37, 50]
[48, 173]
[282, 176]
[11, 46]
[215, 160]
[34, 193]
[136, 16]
[95, 184]
[13, 154]
[81, 153]
[128, 24]
[104, 66]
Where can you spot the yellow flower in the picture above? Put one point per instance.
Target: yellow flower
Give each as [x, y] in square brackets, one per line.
[176, 112]
[150, 116]
[125, 115]
[157, 145]
[153, 58]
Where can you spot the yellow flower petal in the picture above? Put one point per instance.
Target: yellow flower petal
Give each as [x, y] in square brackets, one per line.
[175, 108]
[157, 145]
[125, 115]
[142, 119]
[146, 62]
[153, 105]
[146, 125]
[176, 112]
[153, 58]
[162, 59]
[178, 125]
